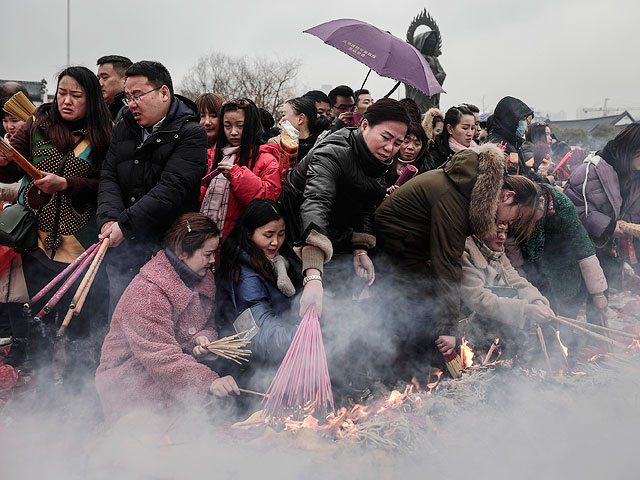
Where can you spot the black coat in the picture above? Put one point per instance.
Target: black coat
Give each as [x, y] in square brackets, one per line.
[507, 114]
[439, 152]
[145, 186]
[335, 190]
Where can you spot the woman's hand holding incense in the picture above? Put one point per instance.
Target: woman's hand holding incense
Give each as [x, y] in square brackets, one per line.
[51, 183]
[112, 231]
[312, 295]
[224, 169]
[201, 347]
[538, 313]
[364, 266]
[223, 386]
[446, 344]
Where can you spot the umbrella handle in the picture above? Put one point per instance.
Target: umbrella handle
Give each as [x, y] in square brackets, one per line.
[355, 100]
[395, 87]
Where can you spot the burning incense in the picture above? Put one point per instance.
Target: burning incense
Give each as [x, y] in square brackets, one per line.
[490, 352]
[63, 274]
[53, 301]
[231, 348]
[407, 174]
[12, 154]
[207, 178]
[303, 376]
[19, 106]
[244, 390]
[83, 290]
[543, 345]
[589, 333]
[615, 331]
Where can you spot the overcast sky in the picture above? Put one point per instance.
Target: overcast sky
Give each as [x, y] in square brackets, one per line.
[554, 55]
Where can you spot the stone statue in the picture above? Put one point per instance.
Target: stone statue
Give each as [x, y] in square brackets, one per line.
[430, 45]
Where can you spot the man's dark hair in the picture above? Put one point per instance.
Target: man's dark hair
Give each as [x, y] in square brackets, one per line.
[317, 96]
[120, 63]
[340, 90]
[8, 89]
[362, 91]
[156, 73]
[387, 109]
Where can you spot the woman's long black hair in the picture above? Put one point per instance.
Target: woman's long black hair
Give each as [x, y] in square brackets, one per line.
[97, 120]
[258, 213]
[252, 132]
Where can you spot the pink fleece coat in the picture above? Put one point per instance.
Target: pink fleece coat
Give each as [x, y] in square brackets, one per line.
[147, 357]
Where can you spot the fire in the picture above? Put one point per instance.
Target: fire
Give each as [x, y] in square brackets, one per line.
[565, 350]
[466, 353]
[438, 373]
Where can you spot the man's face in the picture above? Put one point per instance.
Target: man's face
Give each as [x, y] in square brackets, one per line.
[324, 109]
[364, 102]
[342, 105]
[384, 139]
[152, 104]
[111, 82]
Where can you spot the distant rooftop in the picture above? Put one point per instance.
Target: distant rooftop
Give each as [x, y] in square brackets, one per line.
[36, 90]
[588, 124]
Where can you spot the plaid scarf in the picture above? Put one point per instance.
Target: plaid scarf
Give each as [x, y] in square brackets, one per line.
[216, 199]
[486, 251]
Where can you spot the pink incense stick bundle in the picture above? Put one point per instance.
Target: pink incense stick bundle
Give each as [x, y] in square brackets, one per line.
[53, 301]
[206, 180]
[64, 273]
[303, 375]
[407, 174]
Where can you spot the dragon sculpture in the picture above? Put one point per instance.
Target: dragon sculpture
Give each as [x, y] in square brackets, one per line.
[430, 45]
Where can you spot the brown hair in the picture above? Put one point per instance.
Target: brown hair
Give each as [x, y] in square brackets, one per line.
[209, 102]
[189, 232]
[526, 195]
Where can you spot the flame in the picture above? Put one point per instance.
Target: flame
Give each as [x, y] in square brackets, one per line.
[466, 353]
[565, 350]
[635, 345]
[438, 373]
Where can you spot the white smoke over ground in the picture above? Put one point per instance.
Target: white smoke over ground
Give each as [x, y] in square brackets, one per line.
[502, 423]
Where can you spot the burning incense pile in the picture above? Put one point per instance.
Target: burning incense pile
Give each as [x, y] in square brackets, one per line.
[303, 376]
[19, 106]
[231, 348]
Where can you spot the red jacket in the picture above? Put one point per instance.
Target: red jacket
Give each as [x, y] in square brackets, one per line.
[146, 358]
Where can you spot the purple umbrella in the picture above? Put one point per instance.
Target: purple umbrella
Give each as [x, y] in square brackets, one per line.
[380, 51]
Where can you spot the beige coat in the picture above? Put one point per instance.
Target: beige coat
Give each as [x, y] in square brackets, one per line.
[480, 273]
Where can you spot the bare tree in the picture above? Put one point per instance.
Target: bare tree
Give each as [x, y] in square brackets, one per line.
[267, 82]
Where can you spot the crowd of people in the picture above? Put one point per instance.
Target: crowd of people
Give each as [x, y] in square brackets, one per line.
[211, 233]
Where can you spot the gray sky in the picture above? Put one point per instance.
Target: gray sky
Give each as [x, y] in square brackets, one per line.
[554, 55]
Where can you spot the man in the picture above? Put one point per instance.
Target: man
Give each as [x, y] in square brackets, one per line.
[511, 118]
[152, 173]
[111, 75]
[342, 104]
[364, 100]
[323, 104]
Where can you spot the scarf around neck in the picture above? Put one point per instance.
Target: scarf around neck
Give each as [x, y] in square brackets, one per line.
[486, 251]
[216, 199]
[456, 146]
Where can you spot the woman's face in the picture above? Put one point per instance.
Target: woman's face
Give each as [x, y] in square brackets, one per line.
[437, 128]
[410, 148]
[464, 131]
[210, 122]
[288, 113]
[72, 99]
[203, 258]
[11, 125]
[233, 123]
[384, 139]
[496, 242]
[635, 162]
[269, 237]
[547, 134]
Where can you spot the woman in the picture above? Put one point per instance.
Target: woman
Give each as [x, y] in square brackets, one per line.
[10, 123]
[536, 148]
[248, 168]
[302, 114]
[209, 105]
[559, 258]
[457, 135]
[508, 127]
[413, 151]
[259, 274]
[502, 301]
[161, 323]
[606, 190]
[330, 199]
[67, 140]
[433, 123]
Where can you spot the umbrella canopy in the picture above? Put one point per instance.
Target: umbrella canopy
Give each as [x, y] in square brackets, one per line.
[379, 50]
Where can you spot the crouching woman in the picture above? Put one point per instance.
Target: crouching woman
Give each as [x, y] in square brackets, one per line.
[159, 326]
[503, 302]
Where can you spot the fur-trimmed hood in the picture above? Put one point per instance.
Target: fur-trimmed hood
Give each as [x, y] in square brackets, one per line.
[427, 122]
[479, 175]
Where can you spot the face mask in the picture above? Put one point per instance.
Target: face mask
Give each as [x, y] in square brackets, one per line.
[522, 128]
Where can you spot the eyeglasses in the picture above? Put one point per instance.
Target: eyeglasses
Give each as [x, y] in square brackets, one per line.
[136, 98]
[237, 102]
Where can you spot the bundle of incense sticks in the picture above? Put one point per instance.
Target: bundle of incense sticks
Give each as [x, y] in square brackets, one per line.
[19, 106]
[83, 290]
[632, 229]
[303, 376]
[454, 364]
[206, 180]
[231, 348]
[12, 154]
[407, 174]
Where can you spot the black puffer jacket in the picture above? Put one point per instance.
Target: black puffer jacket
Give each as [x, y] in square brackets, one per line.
[145, 186]
[335, 190]
[506, 116]
[439, 153]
